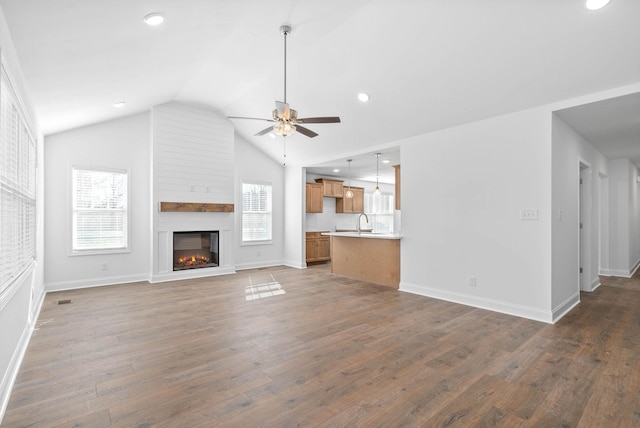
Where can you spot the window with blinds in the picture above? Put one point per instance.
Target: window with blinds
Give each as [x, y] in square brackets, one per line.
[18, 170]
[256, 212]
[379, 209]
[99, 210]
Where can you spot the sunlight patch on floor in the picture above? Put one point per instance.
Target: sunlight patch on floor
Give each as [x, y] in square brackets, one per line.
[261, 291]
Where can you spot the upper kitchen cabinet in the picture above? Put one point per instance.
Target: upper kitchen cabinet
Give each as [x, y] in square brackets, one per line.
[351, 205]
[330, 188]
[314, 197]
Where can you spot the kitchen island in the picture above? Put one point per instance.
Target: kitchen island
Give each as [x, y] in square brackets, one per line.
[367, 256]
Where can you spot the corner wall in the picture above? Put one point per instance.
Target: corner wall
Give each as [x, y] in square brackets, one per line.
[462, 192]
[121, 143]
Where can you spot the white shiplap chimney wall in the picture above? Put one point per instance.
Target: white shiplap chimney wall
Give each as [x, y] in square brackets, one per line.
[193, 158]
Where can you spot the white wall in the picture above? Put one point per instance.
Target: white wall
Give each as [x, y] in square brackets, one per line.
[570, 150]
[294, 210]
[462, 192]
[253, 165]
[121, 143]
[624, 218]
[20, 304]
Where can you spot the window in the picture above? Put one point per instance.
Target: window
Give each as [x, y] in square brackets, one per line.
[256, 212]
[18, 170]
[379, 209]
[99, 209]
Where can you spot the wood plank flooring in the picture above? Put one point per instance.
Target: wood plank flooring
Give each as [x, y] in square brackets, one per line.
[329, 352]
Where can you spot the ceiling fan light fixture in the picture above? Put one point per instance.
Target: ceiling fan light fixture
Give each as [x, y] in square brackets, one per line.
[153, 19]
[349, 193]
[284, 128]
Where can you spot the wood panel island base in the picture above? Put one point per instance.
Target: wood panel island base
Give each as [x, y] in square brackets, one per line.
[368, 257]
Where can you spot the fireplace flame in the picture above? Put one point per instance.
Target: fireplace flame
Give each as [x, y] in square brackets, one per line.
[193, 260]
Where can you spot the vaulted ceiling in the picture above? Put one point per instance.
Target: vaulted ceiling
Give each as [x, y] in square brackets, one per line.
[427, 64]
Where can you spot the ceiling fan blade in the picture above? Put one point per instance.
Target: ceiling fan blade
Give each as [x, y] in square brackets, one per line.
[250, 118]
[305, 131]
[283, 110]
[332, 119]
[264, 131]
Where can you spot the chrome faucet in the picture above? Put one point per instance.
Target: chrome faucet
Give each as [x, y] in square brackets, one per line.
[359, 217]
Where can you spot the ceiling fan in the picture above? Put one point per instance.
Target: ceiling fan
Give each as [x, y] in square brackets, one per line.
[286, 119]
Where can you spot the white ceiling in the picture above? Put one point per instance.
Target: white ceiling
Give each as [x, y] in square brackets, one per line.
[427, 64]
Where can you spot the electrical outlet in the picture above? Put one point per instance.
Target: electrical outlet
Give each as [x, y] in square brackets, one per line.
[531, 214]
[472, 281]
[105, 266]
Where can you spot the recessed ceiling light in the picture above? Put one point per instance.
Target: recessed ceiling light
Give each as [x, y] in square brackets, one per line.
[363, 97]
[119, 104]
[596, 4]
[155, 18]
[336, 170]
[386, 161]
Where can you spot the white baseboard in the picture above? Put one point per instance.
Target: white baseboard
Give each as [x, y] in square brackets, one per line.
[93, 282]
[295, 264]
[595, 283]
[563, 308]
[192, 273]
[622, 273]
[522, 311]
[245, 266]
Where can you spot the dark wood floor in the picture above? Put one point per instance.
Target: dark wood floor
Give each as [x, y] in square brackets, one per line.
[329, 352]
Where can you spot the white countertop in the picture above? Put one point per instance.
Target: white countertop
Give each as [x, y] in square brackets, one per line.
[367, 235]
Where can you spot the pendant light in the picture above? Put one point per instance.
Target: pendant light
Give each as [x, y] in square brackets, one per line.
[349, 192]
[377, 189]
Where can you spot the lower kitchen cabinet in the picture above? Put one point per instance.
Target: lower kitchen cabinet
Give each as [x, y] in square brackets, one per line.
[318, 247]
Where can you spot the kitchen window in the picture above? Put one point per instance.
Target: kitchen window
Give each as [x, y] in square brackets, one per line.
[99, 210]
[256, 212]
[379, 209]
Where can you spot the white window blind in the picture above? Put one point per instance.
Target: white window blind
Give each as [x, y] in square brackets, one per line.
[18, 170]
[99, 209]
[256, 212]
[379, 209]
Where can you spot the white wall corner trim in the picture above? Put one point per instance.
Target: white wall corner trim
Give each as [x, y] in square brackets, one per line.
[563, 308]
[93, 282]
[595, 284]
[16, 360]
[529, 312]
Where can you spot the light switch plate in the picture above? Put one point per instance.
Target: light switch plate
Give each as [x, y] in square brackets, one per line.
[528, 214]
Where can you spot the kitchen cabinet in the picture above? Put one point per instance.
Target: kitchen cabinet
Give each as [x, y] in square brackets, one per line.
[330, 188]
[318, 247]
[351, 205]
[397, 198]
[314, 198]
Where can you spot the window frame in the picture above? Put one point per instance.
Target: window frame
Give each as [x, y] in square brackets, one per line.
[269, 240]
[72, 209]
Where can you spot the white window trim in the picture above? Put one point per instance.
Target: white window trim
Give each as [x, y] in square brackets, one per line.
[70, 251]
[244, 243]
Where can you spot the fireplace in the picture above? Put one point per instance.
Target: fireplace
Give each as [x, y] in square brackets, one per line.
[194, 250]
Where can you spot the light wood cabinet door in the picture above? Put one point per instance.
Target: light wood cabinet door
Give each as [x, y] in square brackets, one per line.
[351, 205]
[324, 248]
[330, 188]
[397, 187]
[314, 198]
[318, 247]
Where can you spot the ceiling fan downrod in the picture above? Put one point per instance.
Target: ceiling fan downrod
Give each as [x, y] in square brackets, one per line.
[285, 30]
